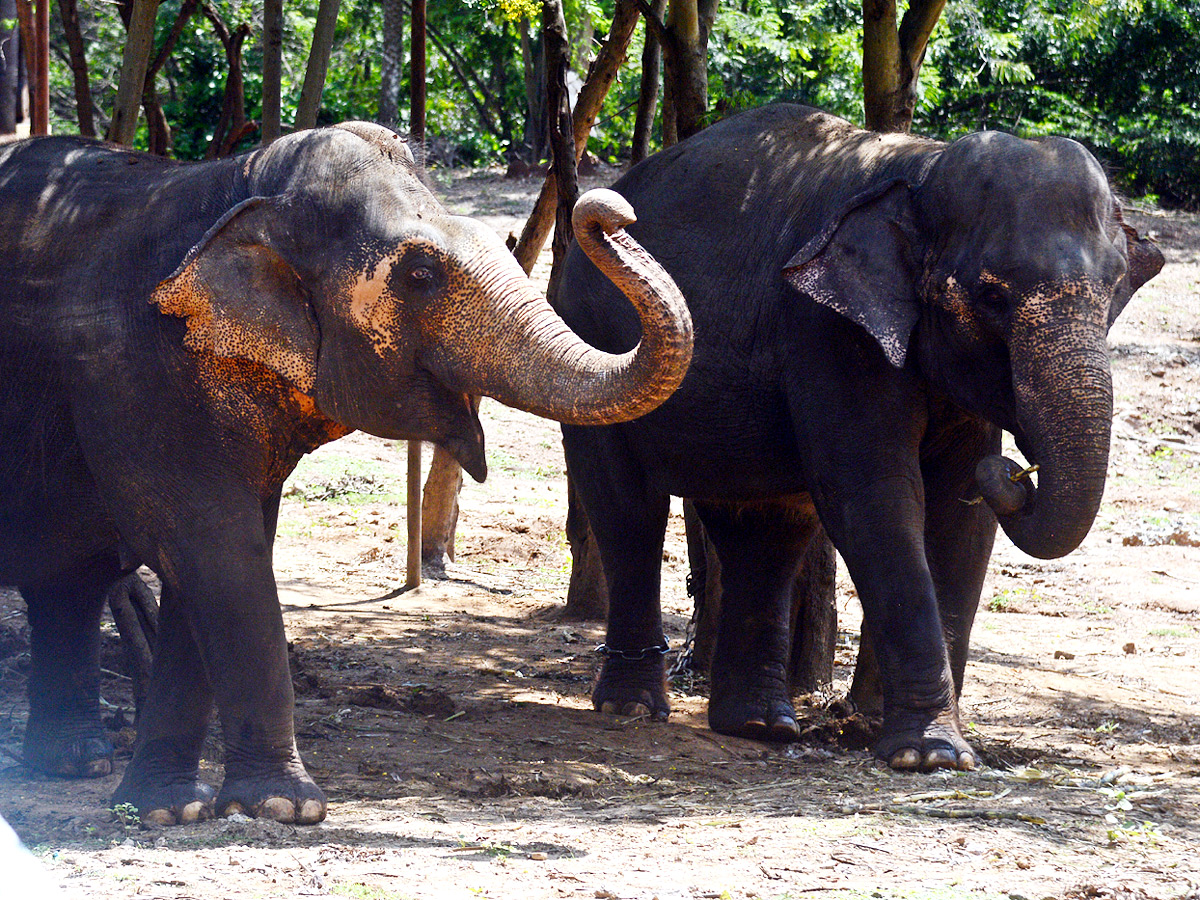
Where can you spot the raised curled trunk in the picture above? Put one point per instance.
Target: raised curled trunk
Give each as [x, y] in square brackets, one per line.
[1064, 407]
[534, 362]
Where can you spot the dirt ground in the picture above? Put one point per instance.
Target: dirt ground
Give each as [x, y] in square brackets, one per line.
[452, 730]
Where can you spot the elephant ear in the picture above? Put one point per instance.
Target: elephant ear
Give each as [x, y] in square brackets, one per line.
[1143, 260]
[864, 265]
[241, 297]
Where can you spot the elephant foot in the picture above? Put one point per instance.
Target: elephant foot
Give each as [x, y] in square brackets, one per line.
[67, 750]
[915, 747]
[181, 801]
[635, 688]
[758, 708]
[288, 796]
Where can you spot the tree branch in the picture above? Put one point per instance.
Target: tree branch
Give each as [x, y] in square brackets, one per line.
[918, 23]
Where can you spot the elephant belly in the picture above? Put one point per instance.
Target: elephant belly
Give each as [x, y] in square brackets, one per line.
[705, 448]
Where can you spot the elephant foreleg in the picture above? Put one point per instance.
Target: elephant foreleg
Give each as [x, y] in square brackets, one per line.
[163, 779]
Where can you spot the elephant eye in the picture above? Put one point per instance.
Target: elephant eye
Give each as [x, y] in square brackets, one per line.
[992, 301]
[420, 276]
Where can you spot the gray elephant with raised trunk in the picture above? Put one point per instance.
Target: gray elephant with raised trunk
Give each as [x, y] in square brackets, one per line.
[174, 337]
[870, 310]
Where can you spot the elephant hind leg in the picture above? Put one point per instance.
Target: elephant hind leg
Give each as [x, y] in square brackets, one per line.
[64, 735]
[761, 549]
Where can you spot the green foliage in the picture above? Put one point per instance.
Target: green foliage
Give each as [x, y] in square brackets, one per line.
[1119, 75]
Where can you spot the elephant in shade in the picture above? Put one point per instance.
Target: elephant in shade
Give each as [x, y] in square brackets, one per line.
[174, 337]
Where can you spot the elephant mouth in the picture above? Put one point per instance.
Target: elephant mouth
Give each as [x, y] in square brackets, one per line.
[464, 440]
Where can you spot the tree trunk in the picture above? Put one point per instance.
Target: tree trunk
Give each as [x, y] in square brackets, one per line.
[39, 119]
[557, 51]
[10, 66]
[892, 57]
[138, 46]
[416, 118]
[439, 512]
[159, 139]
[272, 71]
[535, 135]
[233, 126]
[685, 62]
[600, 77]
[318, 65]
[391, 64]
[648, 96]
[79, 67]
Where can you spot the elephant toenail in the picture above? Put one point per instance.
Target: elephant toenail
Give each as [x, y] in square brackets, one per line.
[278, 808]
[196, 811]
[160, 817]
[907, 759]
[311, 811]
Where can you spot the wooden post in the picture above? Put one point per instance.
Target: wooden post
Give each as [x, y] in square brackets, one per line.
[413, 578]
[416, 139]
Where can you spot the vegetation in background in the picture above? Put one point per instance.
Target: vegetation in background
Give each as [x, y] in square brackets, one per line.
[1119, 75]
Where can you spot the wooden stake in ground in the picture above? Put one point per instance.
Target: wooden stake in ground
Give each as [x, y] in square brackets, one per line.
[417, 139]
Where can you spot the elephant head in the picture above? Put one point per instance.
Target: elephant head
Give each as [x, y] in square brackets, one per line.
[342, 273]
[998, 268]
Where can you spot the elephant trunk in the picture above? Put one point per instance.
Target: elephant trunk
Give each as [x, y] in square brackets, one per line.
[526, 357]
[1063, 390]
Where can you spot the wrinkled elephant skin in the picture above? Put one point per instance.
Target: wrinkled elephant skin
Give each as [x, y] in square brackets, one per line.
[870, 312]
[174, 337]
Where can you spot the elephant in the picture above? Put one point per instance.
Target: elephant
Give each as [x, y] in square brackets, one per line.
[174, 337]
[871, 311]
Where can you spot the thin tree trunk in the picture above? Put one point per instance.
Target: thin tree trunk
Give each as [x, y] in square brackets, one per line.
[534, 64]
[318, 65]
[79, 67]
[391, 64]
[417, 75]
[685, 59]
[233, 126]
[160, 140]
[557, 50]
[272, 71]
[648, 96]
[139, 44]
[892, 58]
[10, 66]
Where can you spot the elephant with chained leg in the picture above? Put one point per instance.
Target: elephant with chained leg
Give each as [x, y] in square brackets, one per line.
[870, 311]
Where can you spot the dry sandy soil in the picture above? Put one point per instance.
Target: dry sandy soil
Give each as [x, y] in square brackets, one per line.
[451, 725]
